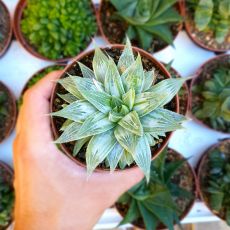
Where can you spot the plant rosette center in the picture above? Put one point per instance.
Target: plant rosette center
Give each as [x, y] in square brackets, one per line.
[117, 111]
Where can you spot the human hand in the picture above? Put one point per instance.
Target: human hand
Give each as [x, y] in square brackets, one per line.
[52, 192]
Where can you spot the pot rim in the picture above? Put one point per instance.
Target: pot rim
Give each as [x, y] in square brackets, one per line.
[193, 38]
[190, 206]
[26, 45]
[8, 40]
[100, 25]
[12, 115]
[79, 57]
[193, 82]
[202, 160]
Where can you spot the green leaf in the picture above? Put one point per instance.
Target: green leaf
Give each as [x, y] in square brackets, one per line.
[68, 84]
[132, 214]
[79, 144]
[134, 76]
[70, 133]
[225, 108]
[162, 120]
[77, 111]
[142, 156]
[87, 72]
[150, 78]
[100, 65]
[227, 216]
[113, 83]
[149, 218]
[159, 164]
[129, 98]
[126, 139]
[95, 124]
[203, 13]
[127, 58]
[121, 5]
[98, 149]
[216, 200]
[101, 100]
[68, 97]
[115, 155]
[144, 37]
[132, 123]
[163, 6]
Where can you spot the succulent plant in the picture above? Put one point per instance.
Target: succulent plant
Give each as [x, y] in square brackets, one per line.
[6, 201]
[117, 110]
[147, 19]
[219, 183]
[58, 28]
[154, 203]
[215, 104]
[212, 15]
[3, 110]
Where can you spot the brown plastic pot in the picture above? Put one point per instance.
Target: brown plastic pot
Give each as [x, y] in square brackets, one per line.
[194, 38]
[195, 81]
[8, 179]
[24, 42]
[200, 168]
[13, 112]
[9, 36]
[187, 210]
[144, 54]
[100, 24]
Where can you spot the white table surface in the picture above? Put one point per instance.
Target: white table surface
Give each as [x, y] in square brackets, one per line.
[17, 65]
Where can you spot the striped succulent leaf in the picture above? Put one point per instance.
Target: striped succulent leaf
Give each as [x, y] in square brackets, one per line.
[116, 111]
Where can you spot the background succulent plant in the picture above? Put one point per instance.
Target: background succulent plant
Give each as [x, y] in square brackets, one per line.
[6, 201]
[117, 110]
[212, 15]
[148, 19]
[3, 110]
[218, 183]
[154, 203]
[57, 28]
[215, 103]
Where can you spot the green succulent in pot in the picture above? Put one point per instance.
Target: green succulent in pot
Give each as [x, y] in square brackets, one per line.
[158, 204]
[117, 111]
[58, 29]
[215, 103]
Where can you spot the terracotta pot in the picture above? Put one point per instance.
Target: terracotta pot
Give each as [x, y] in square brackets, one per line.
[12, 114]
[185, 88]
[8, 39]
[8, 179]
[188, 208]
[195, 81]
[74, 64]
[200, 169]
[100, 25]
[188, 29]
[24, 42]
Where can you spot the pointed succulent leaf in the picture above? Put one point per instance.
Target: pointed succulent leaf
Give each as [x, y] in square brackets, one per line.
[68, 84]
[101, 100]
[162, 120]
[70, 133]
[86, 71]
[225, 108]
[126, 139]
[100, 65]
[142, 156]
[79, 144]
[163, 6]
[131, 122]
[134, 76]
[127, 58]
[98, 149]
[77, 111]
[150, 78]
[68, 97]
[115, 116]
[129, 98]
[203, 13]
[150, 139]
[113, 83]
[95, 124]
[65, 125]
[115, 155]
